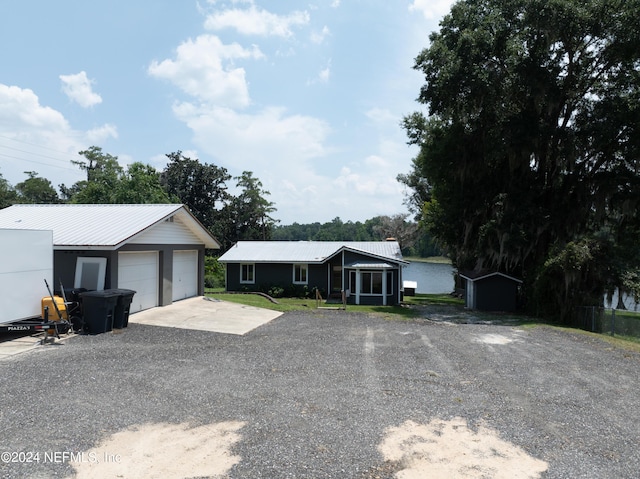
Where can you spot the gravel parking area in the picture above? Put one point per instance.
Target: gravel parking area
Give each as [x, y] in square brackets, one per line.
[323, 394]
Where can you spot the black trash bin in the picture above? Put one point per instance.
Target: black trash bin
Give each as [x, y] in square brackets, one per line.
[121, 315]
[98, 310]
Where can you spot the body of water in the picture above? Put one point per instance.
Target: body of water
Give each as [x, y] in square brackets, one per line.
[432, 278]
[628, 301]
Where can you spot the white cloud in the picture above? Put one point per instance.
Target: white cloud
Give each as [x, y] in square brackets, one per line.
[98, 135]
[364, 190]
[21, 109]
[286, 149]
[34, 137]
[256, 21]
[269, 136]
[431, 9]
[205, 69]
[323, 75]
[78, 88]
[319, 37]
[373, 177]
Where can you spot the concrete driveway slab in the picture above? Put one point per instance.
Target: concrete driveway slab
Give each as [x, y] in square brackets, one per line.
[12, 344]
[19, 344]
[206, 314]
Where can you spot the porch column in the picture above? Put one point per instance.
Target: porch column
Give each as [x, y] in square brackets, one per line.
[384, 287]
[328, 280]
[344, 282]
[358, 281]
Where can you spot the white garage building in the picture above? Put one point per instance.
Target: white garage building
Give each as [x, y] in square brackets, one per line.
[156, 250]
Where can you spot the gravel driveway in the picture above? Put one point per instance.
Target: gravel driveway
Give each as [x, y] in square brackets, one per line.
[323, 394]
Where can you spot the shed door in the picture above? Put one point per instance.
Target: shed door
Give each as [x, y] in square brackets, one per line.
[185, 274]
[470, 295]
[139, 271]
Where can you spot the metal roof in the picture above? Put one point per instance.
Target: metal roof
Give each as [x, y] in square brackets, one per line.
[307, 251]
[480, 275]
[98, 226]
[361, 265]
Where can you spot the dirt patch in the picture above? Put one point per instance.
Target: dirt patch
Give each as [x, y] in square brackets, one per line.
[445, 449]
[493, 339]
[164, 451]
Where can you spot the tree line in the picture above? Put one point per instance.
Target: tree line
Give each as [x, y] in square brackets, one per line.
[413, 240]
[202, 187]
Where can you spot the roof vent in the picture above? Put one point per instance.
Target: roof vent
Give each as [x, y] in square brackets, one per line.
[169, 219]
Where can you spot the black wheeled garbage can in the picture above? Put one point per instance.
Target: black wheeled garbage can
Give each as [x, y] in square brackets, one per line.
[98, 310]
[121, 316]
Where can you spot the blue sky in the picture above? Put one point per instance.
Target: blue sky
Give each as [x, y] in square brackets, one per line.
[308, 96]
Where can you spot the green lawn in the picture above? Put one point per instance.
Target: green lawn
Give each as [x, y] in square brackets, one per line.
[430, 259]
[302, 304]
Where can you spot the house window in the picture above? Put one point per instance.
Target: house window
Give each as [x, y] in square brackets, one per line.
[376, 283]
[247, 273]
[300, 273]
[371, 282]
[365, 283]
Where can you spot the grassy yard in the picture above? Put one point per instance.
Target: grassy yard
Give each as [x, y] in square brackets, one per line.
[430, 259]
[302, 304]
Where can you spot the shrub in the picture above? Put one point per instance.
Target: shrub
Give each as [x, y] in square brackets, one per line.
[213, 273]
[276, 292]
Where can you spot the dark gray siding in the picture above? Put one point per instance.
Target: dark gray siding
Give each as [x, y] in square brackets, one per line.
[352, 257]
[275, 274]
[232, 277]
[496, 293]
[64, 267]
[320, 276]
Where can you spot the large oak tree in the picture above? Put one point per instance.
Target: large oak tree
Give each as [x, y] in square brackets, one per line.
[529, 145]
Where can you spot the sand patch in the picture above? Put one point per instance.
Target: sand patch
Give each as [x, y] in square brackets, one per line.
[493, 339]
[446, 449]
[164, 451]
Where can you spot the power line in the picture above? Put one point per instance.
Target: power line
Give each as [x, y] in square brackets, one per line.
[4, 155]
[35, 157]
[66, 153]
[34, 154]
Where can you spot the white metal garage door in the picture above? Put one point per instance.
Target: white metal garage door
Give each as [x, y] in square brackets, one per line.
[185, 274]
[139, 271]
